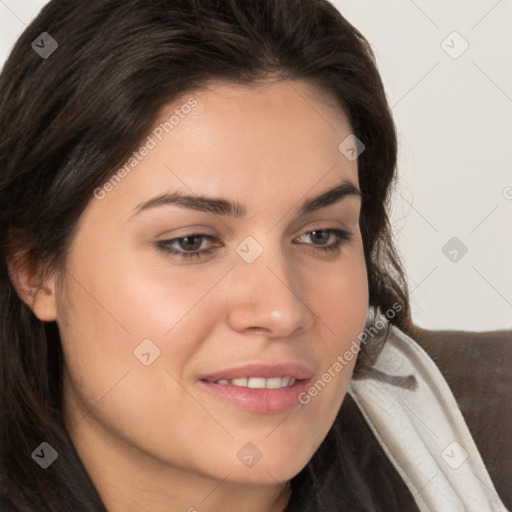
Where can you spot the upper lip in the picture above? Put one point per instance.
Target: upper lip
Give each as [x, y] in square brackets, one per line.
[265, 370]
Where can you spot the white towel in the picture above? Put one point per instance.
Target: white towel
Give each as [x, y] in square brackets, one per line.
[424, 433]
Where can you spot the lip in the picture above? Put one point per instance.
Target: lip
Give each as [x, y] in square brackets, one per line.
[265, 400]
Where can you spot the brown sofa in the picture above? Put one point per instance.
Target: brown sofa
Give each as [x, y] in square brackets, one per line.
[478, 369]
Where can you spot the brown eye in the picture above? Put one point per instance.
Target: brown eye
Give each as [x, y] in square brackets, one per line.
[186, 246]
[190, 243]
[324, 235]
[320, 235]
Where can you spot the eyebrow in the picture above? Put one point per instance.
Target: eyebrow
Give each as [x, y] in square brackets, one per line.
[221, 206]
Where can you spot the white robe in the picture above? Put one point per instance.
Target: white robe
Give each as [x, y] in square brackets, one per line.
[423, 432]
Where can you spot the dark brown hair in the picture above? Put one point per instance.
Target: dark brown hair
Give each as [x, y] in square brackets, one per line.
[69, 120]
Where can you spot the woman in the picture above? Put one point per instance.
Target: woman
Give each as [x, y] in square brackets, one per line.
[202, 308]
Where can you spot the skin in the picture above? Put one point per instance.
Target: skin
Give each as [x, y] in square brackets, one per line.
[149, 436]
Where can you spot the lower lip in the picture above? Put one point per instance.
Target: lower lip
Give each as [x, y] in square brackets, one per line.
[258, 400]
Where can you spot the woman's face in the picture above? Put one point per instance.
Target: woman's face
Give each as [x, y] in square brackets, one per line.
[163, 298]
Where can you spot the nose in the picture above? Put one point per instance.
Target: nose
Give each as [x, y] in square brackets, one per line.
[268, 296]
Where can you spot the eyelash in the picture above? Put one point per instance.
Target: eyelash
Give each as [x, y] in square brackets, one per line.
[335, 248]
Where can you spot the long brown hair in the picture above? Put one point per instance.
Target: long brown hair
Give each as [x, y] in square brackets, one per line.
[69, 120]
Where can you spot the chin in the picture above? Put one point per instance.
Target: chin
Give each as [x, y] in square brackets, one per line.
[268, 475]
[274, 467]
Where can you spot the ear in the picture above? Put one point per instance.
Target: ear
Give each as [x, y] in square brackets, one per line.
[39, 295]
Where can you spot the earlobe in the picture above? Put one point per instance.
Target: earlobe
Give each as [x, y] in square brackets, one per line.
[44, 304]
[38, 295]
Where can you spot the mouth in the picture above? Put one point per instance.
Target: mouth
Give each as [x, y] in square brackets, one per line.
[259, 388]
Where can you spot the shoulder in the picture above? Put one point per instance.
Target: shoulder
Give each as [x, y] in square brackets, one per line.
[478, 368]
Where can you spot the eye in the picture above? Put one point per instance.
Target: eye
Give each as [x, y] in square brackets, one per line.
[324, 235]
[189, 246]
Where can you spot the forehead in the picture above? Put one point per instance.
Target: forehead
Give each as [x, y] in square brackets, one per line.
[291, 116]
[274, 139]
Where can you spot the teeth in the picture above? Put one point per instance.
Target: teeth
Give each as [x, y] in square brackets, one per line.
[256, 383]
[260, 382]
[274, 383]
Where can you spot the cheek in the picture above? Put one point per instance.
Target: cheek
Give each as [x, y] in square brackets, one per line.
[102, 325]
[115, 300]
[341, 297]
[108, 312]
